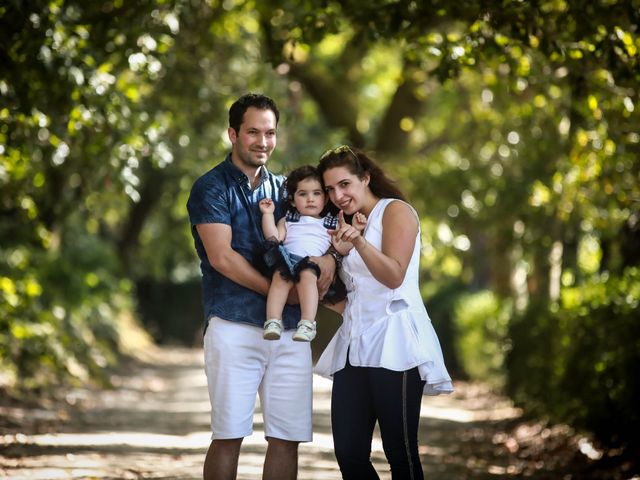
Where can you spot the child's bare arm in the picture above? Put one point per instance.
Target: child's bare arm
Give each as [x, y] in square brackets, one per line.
[267, 206]
[282, 229]
[269, 228]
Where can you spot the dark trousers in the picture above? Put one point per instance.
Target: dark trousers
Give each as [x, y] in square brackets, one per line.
[360, 397]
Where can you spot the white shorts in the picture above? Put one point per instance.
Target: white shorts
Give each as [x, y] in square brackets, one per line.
[239, 363]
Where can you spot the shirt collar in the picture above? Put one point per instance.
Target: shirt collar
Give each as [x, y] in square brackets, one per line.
[239, 176]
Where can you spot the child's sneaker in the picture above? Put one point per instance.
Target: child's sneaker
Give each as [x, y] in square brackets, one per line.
[272, 329]
[305, 332]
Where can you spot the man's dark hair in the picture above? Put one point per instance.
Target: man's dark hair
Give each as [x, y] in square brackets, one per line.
[256, 100]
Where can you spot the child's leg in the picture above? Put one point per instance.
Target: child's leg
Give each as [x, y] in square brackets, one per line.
[277, 297]
[308, 294]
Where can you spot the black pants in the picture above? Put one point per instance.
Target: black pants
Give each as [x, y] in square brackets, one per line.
[360, 397]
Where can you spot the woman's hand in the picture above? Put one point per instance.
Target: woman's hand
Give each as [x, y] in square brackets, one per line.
[348, 233]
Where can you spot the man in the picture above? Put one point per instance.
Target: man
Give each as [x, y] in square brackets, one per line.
[239, 363]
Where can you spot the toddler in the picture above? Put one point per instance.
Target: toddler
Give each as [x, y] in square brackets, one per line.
[300, 234]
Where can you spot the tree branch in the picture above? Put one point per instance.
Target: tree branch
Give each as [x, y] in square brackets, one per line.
[391, 137]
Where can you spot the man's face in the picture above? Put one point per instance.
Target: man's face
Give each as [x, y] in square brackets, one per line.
[256, 140]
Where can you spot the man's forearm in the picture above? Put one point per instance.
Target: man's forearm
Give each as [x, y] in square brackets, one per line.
[236, 268]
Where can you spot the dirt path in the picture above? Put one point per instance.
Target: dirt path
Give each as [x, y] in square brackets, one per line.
[155, 425]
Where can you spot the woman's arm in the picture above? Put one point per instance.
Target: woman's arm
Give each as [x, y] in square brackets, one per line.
[399, 230]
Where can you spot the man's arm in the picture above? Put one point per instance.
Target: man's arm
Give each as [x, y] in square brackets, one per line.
[328, 266]
[216, 238]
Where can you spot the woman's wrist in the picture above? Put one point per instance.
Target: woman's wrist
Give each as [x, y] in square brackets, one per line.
[337, 257]
[361, 244]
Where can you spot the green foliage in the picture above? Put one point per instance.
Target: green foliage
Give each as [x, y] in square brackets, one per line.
[440, 306]
[511, 125]
[59, 315]
[110, 110]
[577, 362]
[481, 323]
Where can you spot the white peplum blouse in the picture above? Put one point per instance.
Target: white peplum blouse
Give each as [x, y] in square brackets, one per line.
[384, 327]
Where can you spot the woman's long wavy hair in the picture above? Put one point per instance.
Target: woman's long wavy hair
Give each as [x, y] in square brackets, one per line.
[360, 164]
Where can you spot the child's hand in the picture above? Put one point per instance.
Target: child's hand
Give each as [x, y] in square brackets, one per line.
[359, 221]
[267, 206]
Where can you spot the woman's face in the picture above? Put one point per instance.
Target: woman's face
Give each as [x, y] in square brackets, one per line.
[346, 190]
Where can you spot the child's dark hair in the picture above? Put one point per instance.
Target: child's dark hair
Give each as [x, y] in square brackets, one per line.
[242, 104]
[295, 177]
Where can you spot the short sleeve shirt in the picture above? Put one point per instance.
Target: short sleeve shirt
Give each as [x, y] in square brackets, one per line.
[224, 195]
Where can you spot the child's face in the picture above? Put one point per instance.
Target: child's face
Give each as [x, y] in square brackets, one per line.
[309, 198]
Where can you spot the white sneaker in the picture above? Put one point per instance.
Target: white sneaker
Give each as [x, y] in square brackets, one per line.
[272, 329]
[305, 332]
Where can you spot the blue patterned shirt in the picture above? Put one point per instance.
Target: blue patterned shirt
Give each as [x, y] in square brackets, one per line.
[223, 195]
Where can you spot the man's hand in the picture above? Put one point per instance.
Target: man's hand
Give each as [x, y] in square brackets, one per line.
[327, 272]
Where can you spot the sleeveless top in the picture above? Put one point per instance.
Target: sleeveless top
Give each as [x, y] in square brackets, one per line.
[307, 236]
[384, 327]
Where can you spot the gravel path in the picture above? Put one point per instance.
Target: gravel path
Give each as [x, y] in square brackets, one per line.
[154, 424]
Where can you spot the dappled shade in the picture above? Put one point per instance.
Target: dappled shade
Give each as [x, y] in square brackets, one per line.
[512, 126]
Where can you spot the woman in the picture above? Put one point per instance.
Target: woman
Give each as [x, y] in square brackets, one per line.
[385, 354]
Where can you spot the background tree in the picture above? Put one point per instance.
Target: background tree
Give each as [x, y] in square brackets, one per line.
[512, 125]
